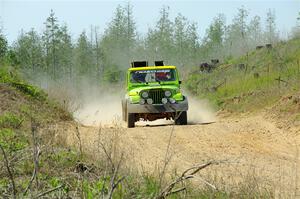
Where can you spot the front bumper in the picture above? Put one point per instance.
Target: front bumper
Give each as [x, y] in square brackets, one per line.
[158, 108]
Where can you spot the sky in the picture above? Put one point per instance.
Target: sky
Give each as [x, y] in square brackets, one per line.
[79, 15]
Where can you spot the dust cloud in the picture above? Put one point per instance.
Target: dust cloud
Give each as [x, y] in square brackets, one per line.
[200, 111]
[90, 102]
[99, 104]
[102, 109]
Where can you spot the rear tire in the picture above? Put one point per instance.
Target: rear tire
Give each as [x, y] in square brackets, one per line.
[130, 120]
[182, 119]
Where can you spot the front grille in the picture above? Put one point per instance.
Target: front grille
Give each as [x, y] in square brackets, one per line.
[156, 95]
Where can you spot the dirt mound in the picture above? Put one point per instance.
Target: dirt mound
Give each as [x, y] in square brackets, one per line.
[286, 112]
[10, 98]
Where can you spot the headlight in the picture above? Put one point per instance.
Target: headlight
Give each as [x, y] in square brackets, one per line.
[164, 100]
[142, 101]
[149, 101]
[145, 94]
[172, 101]
[168, 93]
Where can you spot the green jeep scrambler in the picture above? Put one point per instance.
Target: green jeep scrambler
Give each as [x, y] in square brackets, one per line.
[153, 92]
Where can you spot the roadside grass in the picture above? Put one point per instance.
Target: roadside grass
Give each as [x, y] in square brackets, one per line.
[8, 120]
[265, 76]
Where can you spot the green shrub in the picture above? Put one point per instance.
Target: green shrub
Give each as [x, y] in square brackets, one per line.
[10, 120]
[6, 76]
[63, 158]
[10, 77]
[12, 142]
[29, 90]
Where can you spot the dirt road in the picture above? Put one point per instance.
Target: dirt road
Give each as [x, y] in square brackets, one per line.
[253, 148]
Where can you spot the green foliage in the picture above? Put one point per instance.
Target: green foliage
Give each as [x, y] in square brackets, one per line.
[29, 90]
[84, 56]
[64, 158]
[151, 186]
[4, 184]
[50, 53]
[119, 42]
[101, 185]
[9, 120]
[12, 58]
[10, 77]
[88, 190]
[159, 40]
[213, 41]
[28, 51]
[6, 76]
[55, 182]
[3, 46]
[11, 141]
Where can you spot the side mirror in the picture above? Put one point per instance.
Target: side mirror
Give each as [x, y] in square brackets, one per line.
[180, 81]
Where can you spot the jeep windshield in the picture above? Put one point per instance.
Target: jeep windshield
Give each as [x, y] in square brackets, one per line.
[153, 75]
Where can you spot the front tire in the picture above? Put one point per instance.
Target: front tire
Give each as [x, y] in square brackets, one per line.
[182, 119]
[130, 120]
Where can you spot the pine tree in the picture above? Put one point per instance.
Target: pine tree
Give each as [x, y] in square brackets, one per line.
[192, 36]
[215, 35]
[83, 58]
[118, 43]
[192, 43]
[130, 28]
[180, 38]
[65, 50]
[3, 45]
[97, 52]
[236, 34]
[255, 33]
[29, 51]
[51, 41]
[271, 32]
[160, 40]
[114, 40]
